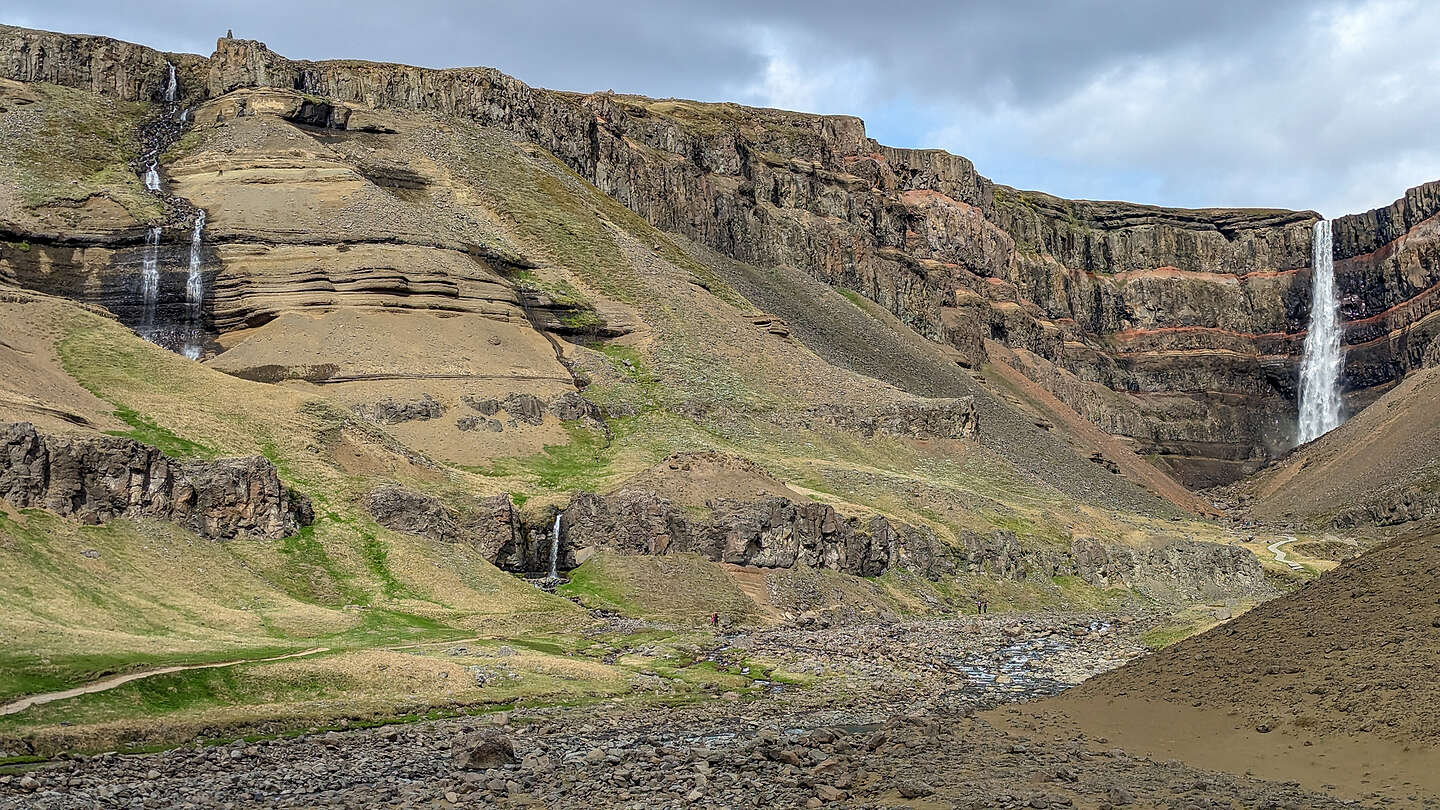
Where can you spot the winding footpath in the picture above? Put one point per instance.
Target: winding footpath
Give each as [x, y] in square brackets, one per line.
[1280, 555]
[106, 684]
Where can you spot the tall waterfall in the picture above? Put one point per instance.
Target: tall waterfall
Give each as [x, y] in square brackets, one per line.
[555, 551]
[1320, 403]
[194, 291]
[171, 87]
[150, 282]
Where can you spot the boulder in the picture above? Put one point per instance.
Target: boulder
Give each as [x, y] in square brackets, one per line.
[482, 750]
[489, 524]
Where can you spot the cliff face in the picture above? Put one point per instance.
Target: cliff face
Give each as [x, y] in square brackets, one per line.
[777, 532]
[98, 64]
[1180, 330]
[98, 479]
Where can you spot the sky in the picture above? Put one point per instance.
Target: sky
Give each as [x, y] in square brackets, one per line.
[1331, 105]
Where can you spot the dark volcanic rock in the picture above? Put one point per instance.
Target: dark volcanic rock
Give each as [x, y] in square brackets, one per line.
[389, 411]
[481, 750]
[395, 507]
[776, 532]
[489, 524]
[99, 478]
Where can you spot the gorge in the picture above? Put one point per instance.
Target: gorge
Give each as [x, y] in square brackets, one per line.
[377, 435]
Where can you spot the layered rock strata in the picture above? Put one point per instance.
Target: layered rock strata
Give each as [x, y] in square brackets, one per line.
[1179, 330]
[95, 479]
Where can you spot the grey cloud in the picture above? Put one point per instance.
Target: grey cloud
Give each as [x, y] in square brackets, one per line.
[1286, 102]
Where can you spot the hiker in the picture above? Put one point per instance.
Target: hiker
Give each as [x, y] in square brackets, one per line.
[715, 619]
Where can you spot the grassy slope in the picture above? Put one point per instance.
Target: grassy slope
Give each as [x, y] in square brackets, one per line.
[695, 376]
[80, 146]
[152, 594]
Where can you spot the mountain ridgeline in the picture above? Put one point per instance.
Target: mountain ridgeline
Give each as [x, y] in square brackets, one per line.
[1179, 331]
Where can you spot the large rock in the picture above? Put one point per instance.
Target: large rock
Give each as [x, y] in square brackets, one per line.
[99, 478]
[489, 524]
[389, 411]
[482, 750]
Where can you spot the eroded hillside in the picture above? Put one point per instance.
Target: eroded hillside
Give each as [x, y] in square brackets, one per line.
[704, 360]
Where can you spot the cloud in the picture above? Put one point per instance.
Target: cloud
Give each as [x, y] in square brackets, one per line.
[834, 86]
[1325, 104]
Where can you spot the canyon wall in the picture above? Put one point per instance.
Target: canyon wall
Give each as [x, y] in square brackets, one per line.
[1179, 330]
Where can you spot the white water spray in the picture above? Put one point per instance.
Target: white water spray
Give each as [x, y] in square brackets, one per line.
[1320, 403]
[194, 291]
[150, 283]
[170, 86]
[555, 551]
[152, 178]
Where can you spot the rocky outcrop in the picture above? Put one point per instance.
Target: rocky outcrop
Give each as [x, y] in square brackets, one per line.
[778, 532]
[98, 64]
[1410, 505]
[770, 532]
[95, 479]
[953, 418]
[489, 524]
[530, 410]
[389, 411]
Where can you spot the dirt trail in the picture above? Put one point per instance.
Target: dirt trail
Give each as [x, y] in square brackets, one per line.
[1280, 556]
[106, 684]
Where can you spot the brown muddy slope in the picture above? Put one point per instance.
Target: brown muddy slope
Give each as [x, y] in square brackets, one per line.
[1332, 684]
[1353, 652]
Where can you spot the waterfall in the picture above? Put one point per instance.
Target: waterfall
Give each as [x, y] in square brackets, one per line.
[1320, 403]
[150, 282]
[194, 291]
[170, 85]
[555, 550]
[152, 178]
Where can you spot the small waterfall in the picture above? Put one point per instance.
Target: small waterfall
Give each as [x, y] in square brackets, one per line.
[555, 551]
[194, 291]
[1320, 403]
[150, 282]
[171, 88]
[152, 178]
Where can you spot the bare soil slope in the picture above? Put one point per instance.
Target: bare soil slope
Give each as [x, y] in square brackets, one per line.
[1383, 456]
[1332, 684]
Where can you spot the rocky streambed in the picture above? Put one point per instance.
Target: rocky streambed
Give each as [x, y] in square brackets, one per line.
[885, 717]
